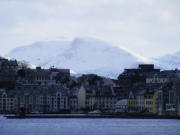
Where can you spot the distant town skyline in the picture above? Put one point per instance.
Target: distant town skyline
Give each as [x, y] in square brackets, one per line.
[150, 28]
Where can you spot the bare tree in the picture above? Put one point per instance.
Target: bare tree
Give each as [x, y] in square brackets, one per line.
[23, 65]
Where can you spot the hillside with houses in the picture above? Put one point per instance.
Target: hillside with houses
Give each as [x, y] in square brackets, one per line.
[142, 90]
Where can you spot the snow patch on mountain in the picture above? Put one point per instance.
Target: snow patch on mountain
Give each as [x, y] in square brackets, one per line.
[169, 61]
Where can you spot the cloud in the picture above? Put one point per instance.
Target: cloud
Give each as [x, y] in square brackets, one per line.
[143, 26]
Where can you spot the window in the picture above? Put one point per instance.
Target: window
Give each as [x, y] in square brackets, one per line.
[171, 97]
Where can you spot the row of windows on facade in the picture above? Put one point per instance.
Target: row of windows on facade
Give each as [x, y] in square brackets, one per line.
[30, 101]
[87, 102]
[102, 99]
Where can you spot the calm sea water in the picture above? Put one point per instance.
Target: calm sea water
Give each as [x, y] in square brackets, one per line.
[89, 126]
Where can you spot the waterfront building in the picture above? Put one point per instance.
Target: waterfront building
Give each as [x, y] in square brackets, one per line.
[81, 98]
[168, 99]
[34, 98]
[7, 101]
[104, 102]
[121, 106]
[140, 100]
[149, 101]
[132, 103]
[96, 98]
[73, 103]
[155, 103]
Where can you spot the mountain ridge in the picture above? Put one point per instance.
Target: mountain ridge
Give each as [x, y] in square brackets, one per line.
[82, 55]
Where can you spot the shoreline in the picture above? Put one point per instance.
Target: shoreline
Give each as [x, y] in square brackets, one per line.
[93, 116]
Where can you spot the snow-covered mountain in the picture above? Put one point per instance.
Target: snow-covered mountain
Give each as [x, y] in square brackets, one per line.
[82, 55]
[169, 61]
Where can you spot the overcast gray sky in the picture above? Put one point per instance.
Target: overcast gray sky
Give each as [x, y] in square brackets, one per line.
[148, 27]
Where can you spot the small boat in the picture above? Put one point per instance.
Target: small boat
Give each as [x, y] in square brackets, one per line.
[95, 112]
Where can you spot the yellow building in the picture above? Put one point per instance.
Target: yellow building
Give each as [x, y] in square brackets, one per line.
[132, 103]
[148, 102]
[151, 102]
[89, 99]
